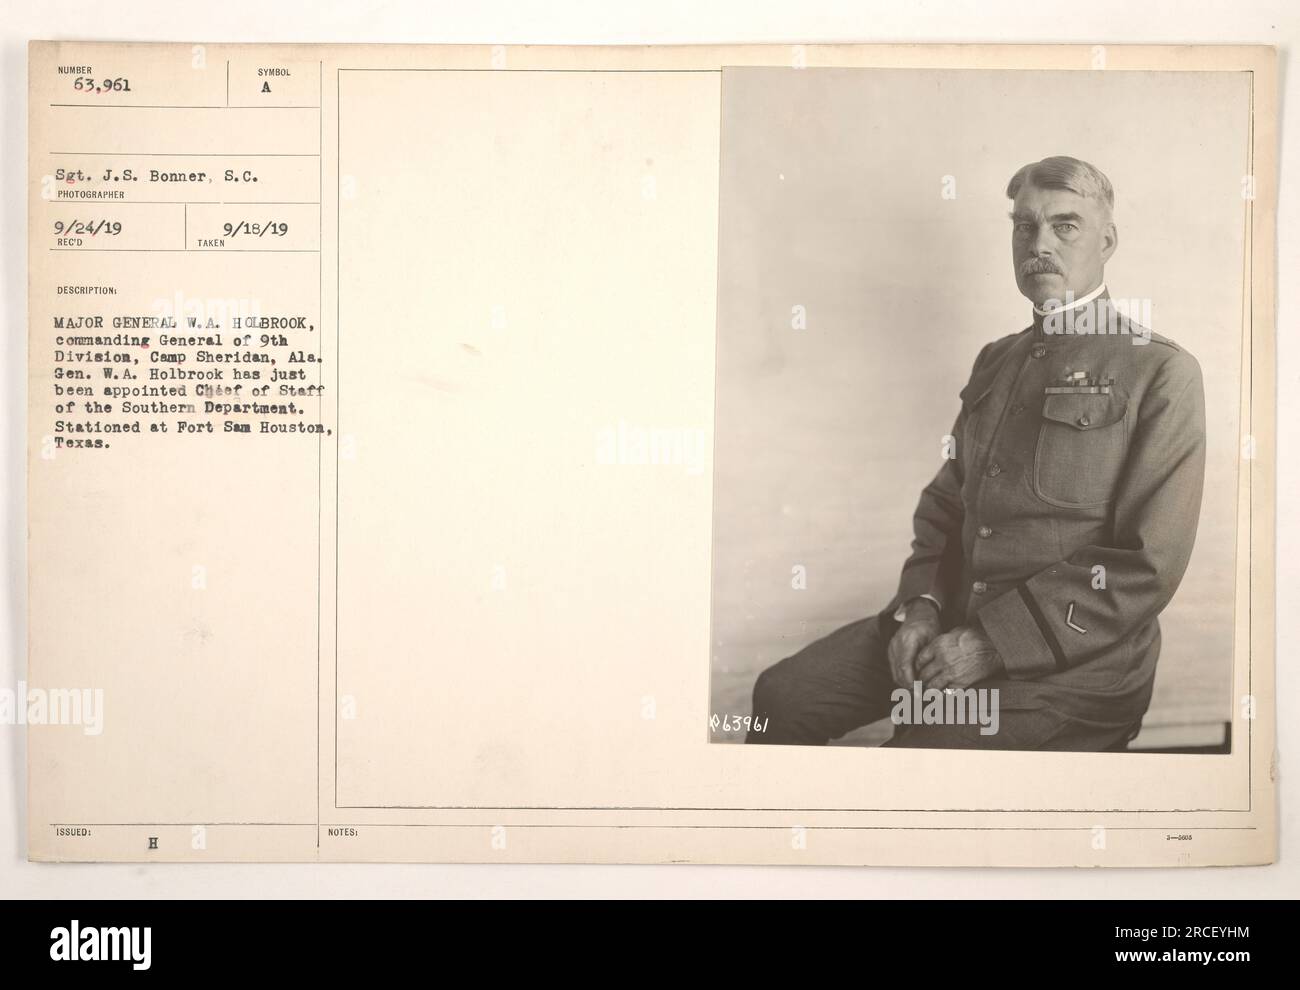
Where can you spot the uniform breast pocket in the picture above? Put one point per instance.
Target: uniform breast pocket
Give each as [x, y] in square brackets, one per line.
[1082, 441]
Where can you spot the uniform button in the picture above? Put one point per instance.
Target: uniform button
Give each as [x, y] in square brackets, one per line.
[1038, 350]
[1017, 409]
[979, 587]
[986, 531]
[995, 469]
[1085, 421]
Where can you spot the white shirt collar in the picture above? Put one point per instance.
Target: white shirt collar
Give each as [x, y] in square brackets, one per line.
[1075, 304]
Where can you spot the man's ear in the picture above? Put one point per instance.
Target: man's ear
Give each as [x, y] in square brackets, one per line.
[1109, 241]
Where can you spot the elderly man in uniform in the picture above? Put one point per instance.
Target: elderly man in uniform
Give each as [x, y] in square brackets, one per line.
[1050, 541]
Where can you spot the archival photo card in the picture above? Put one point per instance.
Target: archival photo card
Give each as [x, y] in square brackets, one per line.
[726, 454]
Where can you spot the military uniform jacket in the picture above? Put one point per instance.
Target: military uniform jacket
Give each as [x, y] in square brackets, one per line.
[1065, 519]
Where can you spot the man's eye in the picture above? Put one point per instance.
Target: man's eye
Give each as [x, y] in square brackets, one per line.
[1023, 228]
[1066, 228]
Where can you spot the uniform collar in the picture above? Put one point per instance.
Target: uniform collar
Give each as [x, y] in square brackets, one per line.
[1073, 303]
[1064, 314]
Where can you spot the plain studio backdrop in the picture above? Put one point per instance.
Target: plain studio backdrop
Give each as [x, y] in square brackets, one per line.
[837, 196]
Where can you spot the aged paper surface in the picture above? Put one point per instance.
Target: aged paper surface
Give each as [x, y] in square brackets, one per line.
[346, 549]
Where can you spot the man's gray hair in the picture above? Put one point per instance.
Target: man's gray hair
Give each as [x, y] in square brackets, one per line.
[1064, 172]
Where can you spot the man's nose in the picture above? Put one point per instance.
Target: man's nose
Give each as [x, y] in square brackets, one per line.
[1044, 242]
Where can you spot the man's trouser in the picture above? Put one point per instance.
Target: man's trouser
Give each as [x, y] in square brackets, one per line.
[843, 681]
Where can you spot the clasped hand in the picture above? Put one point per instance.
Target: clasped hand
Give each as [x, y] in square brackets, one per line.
[921, 651]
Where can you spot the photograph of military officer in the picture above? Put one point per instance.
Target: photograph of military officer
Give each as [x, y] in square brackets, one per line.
[1046, 547]
[957, 506]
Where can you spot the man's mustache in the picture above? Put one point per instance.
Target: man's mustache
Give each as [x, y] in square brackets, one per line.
[1039, 266]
